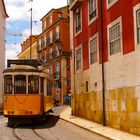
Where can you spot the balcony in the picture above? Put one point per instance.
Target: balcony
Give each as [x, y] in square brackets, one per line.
[74, 4]
[56, 75]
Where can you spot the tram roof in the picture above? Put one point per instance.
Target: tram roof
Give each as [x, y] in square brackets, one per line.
[21, 68]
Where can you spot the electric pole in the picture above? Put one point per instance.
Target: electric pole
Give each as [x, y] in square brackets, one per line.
[31, 31]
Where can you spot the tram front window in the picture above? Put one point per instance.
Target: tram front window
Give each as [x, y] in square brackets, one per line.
[33, 84]
[20, 84]
[8, 84]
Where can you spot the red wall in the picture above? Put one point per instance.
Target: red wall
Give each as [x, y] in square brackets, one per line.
[123, 8]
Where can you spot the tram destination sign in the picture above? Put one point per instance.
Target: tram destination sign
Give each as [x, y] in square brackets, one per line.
[31, 62]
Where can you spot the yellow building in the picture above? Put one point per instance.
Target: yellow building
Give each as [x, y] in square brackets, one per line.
[26, 50]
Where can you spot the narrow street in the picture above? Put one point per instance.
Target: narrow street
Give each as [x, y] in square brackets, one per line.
[53, 128]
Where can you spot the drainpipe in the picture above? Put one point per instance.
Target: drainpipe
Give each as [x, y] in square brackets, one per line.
[103, 73]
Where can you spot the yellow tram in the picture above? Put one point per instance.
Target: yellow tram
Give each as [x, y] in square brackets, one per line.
[28, 90]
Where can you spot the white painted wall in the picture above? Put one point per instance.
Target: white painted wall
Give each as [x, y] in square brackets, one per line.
[2, 48]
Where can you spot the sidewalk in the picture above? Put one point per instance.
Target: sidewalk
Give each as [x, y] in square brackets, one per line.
[114, 134]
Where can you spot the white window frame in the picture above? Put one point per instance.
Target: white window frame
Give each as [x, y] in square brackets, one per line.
[111, 3]
[77, 33]
[95, 36]
[135, 9]
[95, 17]
[115, 22]
[77, 48]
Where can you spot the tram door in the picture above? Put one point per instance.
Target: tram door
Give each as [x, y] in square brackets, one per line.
[42, 93]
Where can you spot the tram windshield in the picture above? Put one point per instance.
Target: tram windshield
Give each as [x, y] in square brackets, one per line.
[20, 84]
[33, 84]
[8, 84]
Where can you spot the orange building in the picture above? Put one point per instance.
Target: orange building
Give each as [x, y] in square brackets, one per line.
[54, 50]
[26, 50]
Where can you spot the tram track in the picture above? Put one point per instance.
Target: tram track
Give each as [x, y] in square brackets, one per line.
[17, 132]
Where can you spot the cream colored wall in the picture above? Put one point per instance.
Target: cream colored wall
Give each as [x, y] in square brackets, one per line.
[2, 48]
[26, 52]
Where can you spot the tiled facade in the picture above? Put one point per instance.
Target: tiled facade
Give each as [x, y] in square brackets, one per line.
[111, 28]
[3, 16]
[54, 50]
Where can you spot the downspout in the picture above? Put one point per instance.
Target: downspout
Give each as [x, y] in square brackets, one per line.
[103, 73]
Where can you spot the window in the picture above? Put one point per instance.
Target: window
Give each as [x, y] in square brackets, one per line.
[50, 69]
[59, 16]
[57, 70]
[110, 3]
[20, 84]
[8, 84]
[115, 39]
[50, 19]
[57, 32]
[49, 87]
[41, 84]
[78, 20]
[44, 41]
[93, 51]
[44, 24]
[92, 9]
[39, 47]
[57, 51]
[51, 37]
[50, 53]
[57, 66]
[45, 56]
[33, 84]
[78, 59]
[138, 25]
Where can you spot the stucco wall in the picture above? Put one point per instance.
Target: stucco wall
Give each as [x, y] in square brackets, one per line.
[2, 49]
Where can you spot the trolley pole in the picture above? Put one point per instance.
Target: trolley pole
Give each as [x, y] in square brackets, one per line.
[31, 31]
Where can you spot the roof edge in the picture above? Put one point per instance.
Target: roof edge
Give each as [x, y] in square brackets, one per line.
[4, 9]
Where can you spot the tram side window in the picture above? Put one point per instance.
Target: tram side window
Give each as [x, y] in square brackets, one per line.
[33, 84]
[42, 85]
[20, 84]
[8, 84]
[49, 87]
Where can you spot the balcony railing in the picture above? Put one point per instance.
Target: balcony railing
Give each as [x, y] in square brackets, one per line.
[74, 4]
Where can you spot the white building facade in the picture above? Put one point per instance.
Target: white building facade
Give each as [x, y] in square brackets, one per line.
[3, 16]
